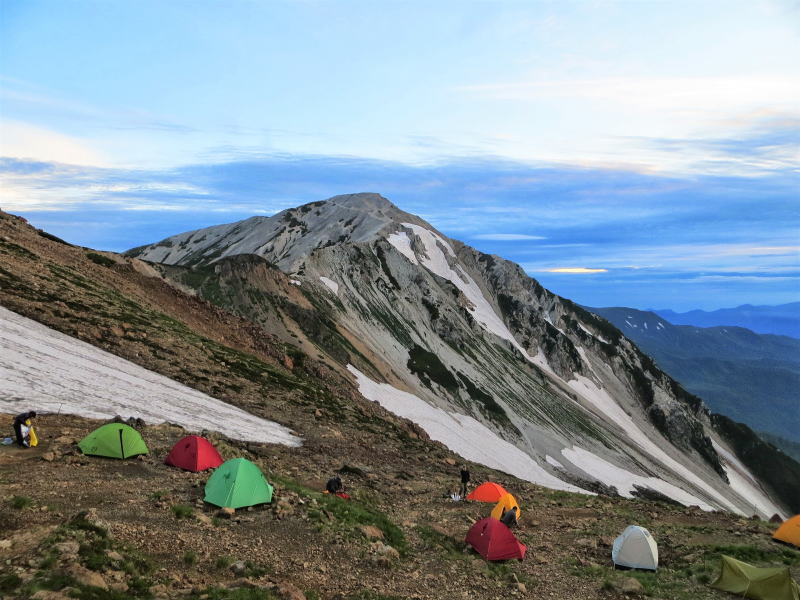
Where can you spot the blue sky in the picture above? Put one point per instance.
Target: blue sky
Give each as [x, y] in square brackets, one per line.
[638, 153]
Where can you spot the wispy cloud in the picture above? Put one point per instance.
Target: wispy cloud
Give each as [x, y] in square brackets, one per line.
[575, 270]
[673, 94]
[507, 237]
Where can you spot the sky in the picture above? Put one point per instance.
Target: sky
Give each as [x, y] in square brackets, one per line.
[639, 153]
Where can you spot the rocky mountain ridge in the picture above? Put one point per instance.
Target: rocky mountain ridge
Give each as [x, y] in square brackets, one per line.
[71, 523]
[783, 319]
[505, 372]
[753, 378]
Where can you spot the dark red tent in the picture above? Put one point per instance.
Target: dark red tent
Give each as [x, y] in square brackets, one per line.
[494, 541]
[194, 453]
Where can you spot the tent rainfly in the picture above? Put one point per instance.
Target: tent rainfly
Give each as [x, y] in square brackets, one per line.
[487, 492]
[505, 503]
[494, 541]
[635, 548]
[194, 453]
[770, 583]
[114, 440]
[789, 532]
[237, 483]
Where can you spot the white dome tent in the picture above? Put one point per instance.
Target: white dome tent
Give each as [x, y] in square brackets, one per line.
[635, 549]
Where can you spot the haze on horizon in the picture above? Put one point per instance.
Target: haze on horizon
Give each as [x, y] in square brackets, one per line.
[624, 153]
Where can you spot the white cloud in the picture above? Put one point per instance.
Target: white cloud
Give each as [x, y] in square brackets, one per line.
[688, 95]
[26, 141]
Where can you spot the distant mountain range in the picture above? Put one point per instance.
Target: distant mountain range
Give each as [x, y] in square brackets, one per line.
[779, 320]
[750, 377]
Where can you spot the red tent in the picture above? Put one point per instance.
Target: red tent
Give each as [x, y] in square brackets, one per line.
[494, 541]
[194, 453]
[487, 492]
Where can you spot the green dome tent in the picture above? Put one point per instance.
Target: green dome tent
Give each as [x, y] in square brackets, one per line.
[114, 440]
[770, 583]
[237, 483]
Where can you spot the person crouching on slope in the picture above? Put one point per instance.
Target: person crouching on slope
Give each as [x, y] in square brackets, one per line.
[509, 518]
[22, 424]
[334, 485]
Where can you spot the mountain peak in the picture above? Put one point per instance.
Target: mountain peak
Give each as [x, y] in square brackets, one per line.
[362, 201]
[288, 237]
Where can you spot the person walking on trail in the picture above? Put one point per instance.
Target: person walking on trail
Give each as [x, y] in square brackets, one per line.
[509, 518]
[22, 423]
[334, 485]
[464, 481]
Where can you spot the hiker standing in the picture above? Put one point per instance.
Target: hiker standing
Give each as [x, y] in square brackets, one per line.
[464, 481]
[20, 421]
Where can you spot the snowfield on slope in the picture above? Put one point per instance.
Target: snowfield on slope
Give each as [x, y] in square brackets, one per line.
[44, 370]
[462, 434]
[612, 411]
[436, 261]
[743, 483]
[624, 480]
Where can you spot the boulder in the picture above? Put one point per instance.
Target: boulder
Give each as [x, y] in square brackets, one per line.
[239, 567]
[84, 576]
[67, 549]
[288, 591]
[49, 595]
[629, 586]
[371, 532]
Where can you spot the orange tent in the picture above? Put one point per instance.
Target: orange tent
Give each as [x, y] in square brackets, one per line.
[505, 503]
[487, 492]
[789, 532]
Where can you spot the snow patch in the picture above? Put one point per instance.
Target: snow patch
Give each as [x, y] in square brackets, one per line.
[462, 434]
[743, 483]
[436, 262]
[402, 243]
[45, 370]
[552, 461]
[295, 282]
[334, 287]
[624, 480]
[594, 335]
[612, 411]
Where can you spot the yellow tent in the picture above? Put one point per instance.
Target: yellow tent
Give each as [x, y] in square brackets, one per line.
[789, 532]
[505, 503]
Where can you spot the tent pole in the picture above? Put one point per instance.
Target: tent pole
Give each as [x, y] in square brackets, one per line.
[121, 445]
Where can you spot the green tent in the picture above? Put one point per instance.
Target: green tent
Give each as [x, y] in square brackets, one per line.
[771, 583]
[114, 440]
[237, 483]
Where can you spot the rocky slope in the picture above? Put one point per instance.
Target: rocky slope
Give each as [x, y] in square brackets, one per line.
[95, 529]
[468, 346]
[750, 377]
